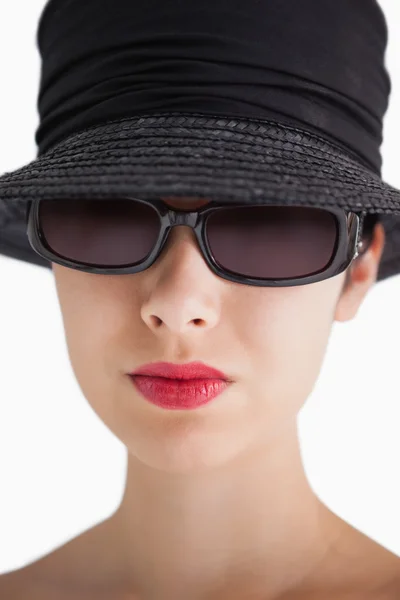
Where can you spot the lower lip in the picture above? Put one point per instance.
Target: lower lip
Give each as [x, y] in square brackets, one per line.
[179, 394]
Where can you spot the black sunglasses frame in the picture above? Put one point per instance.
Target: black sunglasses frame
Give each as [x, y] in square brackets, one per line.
[348, 245]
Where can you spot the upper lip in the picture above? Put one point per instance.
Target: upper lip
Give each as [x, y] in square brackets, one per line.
[194, 370]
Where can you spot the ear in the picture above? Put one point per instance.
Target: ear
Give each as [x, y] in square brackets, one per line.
[363, 274]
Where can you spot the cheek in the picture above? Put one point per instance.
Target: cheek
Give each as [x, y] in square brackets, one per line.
[95, 323]
[287, 338]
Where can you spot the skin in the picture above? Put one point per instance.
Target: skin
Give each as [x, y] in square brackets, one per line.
[217, 503]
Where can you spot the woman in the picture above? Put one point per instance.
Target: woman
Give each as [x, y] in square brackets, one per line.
[268, 119]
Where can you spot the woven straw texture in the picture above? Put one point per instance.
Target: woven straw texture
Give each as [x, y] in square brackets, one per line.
[179, 154]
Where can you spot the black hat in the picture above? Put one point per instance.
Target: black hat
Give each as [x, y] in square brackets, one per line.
[251, 102]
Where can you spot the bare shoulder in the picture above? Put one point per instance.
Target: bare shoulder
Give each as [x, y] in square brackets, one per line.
[8, 586]
[65, 573]
[367, 565]
[23, 585]
[17, 585]
[33, 581]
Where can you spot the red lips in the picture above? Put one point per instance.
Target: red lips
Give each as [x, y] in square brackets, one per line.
[194, 370]
[180, 387]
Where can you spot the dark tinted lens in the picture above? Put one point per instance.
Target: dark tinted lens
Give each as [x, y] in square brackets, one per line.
[272, 242]
[110, 233]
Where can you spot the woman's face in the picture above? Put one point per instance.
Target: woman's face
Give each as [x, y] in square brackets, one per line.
[270, 341]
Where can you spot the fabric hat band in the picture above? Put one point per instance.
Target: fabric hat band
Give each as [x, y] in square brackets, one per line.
[324, 68]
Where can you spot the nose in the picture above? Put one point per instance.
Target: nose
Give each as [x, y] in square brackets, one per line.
[180, 300]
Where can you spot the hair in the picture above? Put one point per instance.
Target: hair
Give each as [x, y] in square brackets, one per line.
[370, 220]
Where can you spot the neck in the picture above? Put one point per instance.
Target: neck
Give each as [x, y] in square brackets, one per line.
[254, 524]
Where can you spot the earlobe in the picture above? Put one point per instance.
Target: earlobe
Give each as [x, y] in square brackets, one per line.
[352, 294]
[361, 277]
[347, 304]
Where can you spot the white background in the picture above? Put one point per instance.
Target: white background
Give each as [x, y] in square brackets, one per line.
[62, 471]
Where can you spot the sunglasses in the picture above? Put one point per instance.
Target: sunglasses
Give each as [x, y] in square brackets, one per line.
[262, 245]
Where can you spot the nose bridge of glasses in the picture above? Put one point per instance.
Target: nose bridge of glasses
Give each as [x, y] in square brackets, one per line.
[182, 221]
[183, 218]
